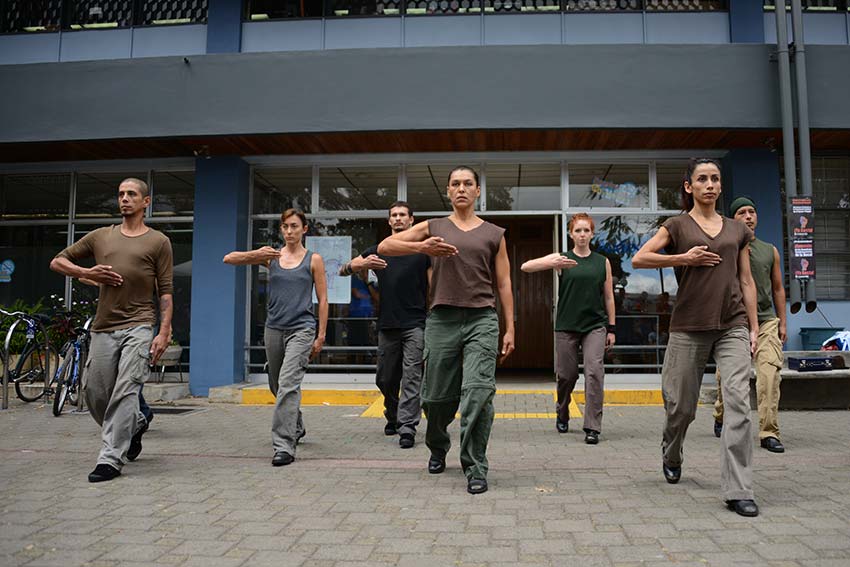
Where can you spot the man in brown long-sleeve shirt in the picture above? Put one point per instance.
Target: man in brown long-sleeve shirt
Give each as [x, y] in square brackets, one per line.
[134, 267]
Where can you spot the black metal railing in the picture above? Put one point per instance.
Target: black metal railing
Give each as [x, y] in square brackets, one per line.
[18, 16]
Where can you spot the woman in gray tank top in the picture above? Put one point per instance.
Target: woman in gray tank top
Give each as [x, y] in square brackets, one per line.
[290, 334]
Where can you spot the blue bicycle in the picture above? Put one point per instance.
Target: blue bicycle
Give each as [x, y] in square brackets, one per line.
[69, 375]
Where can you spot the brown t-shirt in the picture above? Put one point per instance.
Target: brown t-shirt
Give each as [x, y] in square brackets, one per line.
[145, 263]
[709, 297]
[465, 280]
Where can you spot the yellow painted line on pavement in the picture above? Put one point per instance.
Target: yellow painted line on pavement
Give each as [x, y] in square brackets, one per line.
[262, 396]
[377, 410]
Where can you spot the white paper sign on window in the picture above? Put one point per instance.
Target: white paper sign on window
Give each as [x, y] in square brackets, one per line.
[335, 251]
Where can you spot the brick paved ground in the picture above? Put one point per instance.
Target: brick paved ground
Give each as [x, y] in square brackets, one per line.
[203, 492]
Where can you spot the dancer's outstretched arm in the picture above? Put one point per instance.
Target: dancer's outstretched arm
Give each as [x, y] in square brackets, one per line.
[261, 256]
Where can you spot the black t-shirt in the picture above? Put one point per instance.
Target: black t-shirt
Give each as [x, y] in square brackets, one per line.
[402, 285]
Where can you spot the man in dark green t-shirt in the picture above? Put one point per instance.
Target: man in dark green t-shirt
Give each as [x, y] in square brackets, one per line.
[770, 288]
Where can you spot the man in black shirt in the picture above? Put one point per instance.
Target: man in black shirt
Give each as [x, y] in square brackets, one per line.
[403, 291]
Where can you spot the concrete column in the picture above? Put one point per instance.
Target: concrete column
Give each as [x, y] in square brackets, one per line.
[224, 26]
[218, 290]
[746, 21]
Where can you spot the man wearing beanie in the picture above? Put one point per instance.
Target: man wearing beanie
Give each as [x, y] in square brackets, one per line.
[767, 274]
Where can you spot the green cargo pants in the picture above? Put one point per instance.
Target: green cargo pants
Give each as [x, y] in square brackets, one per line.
[461, 344]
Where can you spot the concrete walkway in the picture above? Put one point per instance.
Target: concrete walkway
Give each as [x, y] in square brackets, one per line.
[203, 492]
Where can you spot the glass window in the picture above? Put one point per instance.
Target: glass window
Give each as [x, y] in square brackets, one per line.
[96, 14]
[34, 196]
[685, 5]
[426, 187]
[351, 335]
[603, 5]
[157, 12]
[258, 10]
[97, 193]
[831, 192]
[25, 255]
[668, 177]
[507, 6]
[428, 7]
[609, 185]
[363, 7]
[30, 16]
[276, 190]
[173, 193]
[357, 188]
[524, 187]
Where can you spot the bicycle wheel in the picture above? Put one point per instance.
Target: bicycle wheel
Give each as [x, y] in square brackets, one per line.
[35, 355]
[63, 385]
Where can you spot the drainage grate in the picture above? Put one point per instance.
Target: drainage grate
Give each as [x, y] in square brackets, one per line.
[176, 410]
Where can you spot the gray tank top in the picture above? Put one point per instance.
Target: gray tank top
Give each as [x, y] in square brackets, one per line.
[291, 296]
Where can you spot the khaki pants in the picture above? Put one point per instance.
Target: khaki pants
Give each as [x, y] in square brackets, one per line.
[768, 361]
[681, 377]
[116, 369]
[593, 352]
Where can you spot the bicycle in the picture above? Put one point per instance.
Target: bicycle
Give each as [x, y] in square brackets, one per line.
[69, 375]
[35, 352]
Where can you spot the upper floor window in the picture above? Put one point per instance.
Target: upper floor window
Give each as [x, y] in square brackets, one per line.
[813, 5]
[53, 15]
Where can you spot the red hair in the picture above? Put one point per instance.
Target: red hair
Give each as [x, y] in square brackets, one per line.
[578, 217]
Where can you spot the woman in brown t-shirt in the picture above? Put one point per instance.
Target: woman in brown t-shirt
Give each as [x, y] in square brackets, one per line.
[715, 305]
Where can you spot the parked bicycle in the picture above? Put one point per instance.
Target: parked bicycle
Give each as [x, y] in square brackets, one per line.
[69, 374]
[33, 363]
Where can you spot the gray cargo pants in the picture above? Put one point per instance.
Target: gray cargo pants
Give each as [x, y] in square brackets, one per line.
[681, 377]
[399, 376]
[116, 369]
[288, 353]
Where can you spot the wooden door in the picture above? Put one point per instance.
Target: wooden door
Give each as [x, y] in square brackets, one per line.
[529, 238]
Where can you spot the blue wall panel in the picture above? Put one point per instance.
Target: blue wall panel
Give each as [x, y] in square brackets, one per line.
[746, 21]
[522, 29]
[29, 48]
[218, 289]
[687, 28]
[224, 23]
[442, 31]
[285, 35]
[343, 33]
[595, 29]
[89, 45]
[161, 41]
[820, 29]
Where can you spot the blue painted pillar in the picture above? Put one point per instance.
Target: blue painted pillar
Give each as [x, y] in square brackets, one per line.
[224, 26]
[755, 173]
[218, 290]
[746, 21]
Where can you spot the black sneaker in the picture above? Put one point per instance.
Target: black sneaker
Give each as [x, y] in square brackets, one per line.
[591, 437]
[476, 485]
[282, 458]
[562, 426]
[718, 428]
[103, 473]
[390, 429]
[436, 464]
[300, 437]
[406, 441]
[136, 444]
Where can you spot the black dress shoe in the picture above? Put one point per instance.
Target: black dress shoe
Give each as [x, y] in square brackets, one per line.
[591, 437]
[436, 464]
[743, 507]
[406, 441]
[718, 428]
[476, 485]
[672, 474]
[773, 445]
[282, 458]
[562, 426]
[390, 429]
[102, 473]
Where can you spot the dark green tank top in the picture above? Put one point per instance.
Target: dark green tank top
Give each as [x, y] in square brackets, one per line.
[581, 302]
[761, 264]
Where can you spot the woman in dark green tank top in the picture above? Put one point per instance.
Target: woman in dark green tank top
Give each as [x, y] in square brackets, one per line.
[585, 318]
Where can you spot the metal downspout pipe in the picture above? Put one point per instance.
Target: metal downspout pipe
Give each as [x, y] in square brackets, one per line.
[787, 112]
[803, 135]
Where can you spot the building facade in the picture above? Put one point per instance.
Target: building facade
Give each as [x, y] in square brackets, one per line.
[234, 111]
